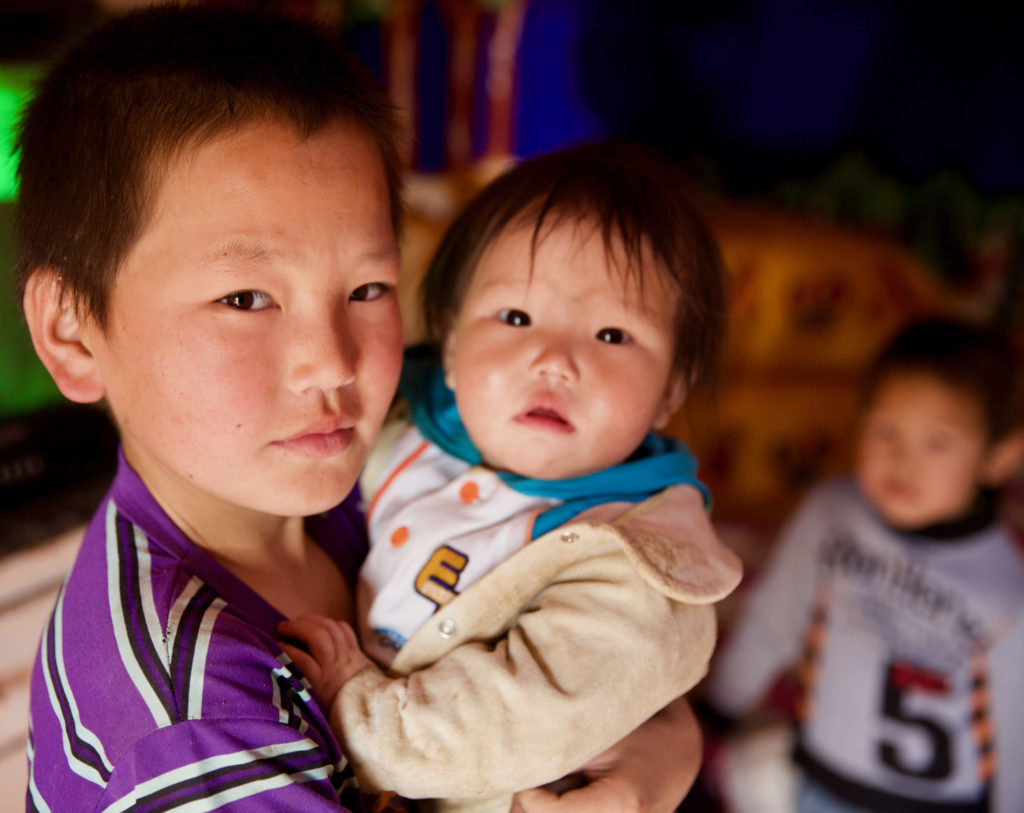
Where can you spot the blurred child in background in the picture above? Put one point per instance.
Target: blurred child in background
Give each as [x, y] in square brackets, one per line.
[903, 594]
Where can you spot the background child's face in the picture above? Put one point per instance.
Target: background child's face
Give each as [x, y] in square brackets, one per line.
[254, 338]
[923, 448]
[562, 372]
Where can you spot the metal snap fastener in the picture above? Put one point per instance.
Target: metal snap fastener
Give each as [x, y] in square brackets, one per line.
[570, 537]
[446, 628]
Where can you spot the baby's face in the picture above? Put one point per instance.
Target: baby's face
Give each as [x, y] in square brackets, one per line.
[923, 448]
[561, 372]
[254, 337]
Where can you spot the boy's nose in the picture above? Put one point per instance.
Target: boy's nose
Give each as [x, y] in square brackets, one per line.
[555, 361]
[323, 356]
[904, 460]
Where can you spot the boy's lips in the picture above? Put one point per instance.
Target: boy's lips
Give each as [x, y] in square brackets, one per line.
[321, 438]
[900, 489]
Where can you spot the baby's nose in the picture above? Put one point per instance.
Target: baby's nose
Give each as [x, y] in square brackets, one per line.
[555, 361]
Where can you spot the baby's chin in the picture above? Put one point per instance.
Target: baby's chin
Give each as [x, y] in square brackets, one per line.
[538, 456]
[535, 469]
[540, 463]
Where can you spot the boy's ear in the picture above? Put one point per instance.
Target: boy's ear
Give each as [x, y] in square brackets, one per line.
[56, 334]
[671, 400]
[1004, 459]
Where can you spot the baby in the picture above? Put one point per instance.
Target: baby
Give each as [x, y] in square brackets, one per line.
[542, 569]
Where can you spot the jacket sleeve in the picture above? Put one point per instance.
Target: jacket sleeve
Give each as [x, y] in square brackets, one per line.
[592, 651]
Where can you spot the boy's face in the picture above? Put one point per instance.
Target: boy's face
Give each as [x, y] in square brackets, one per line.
[562, 372]
[254, 339]
[923, 451]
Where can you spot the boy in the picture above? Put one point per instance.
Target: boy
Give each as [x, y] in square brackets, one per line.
[575, 302]
[909, 591]
[206, 241]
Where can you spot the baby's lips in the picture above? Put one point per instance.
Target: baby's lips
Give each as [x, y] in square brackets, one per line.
[549, 414]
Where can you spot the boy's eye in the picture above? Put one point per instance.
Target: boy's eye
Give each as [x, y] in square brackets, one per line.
[510, 316]
[246, 300]
[369, 292]
[612, 335]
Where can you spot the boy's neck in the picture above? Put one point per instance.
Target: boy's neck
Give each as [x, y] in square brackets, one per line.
[980, 515]
[230, 534]
[226, 531]
[273, 555]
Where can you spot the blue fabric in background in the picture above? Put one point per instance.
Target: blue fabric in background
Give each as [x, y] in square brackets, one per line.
[769, 89]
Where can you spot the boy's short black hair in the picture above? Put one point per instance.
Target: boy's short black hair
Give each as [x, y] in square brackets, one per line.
[113, 113]
[631, 194]
[974, 359]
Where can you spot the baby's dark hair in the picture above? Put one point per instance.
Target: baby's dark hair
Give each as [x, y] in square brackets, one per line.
[631, 194]
[972, 359]
[109, 118]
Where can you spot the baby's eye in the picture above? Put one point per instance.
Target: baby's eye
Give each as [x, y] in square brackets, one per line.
[510, 316]
[612, 335]
[369, 292]
[247, 300]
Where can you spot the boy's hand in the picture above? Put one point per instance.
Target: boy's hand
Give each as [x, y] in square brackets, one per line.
[648, 771]
[334, 655]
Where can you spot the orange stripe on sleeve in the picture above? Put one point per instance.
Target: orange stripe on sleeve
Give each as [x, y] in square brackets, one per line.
[529, 526]
[391, 477]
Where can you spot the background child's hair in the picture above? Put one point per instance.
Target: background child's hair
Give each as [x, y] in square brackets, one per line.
[969, 358]
[632, 195]
[124, 102]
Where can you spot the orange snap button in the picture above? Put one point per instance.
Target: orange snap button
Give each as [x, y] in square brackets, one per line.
[400, 536]
[469, 492]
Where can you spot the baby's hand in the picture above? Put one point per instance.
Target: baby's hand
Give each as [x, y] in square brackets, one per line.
[334, 655]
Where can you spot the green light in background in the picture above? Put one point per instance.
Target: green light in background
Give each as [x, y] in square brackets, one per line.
[15, 87]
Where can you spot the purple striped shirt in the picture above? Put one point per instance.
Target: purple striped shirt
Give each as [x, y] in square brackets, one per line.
[159, 684]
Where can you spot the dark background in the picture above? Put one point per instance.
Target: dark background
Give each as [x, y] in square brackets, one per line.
[903, 117]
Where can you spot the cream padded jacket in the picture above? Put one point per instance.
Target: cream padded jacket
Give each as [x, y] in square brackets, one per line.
[548, 660]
